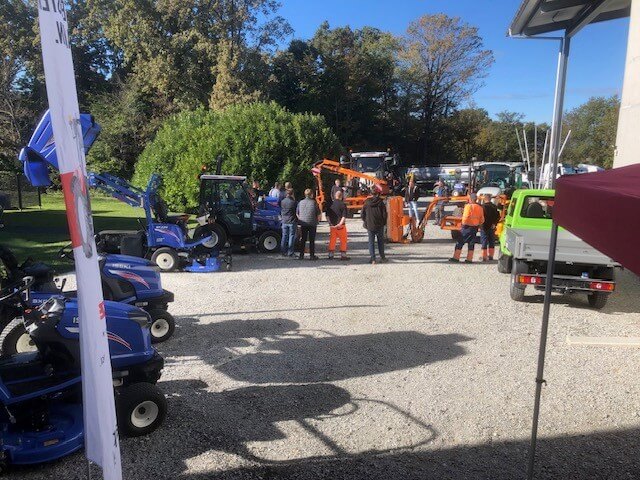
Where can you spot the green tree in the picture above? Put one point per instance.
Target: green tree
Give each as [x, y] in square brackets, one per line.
[593, 128]
[345, 75]
[229, 88]
[465, 128]
[260, 140]
[442, 63]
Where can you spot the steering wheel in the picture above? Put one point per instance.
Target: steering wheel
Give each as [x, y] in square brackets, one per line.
[16, 288]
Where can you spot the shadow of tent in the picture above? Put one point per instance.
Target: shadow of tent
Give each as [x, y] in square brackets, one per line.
[308, 360]
[610, 455]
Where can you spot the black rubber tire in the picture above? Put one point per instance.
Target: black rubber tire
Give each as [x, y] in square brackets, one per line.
[219, 236]
[10, 341]
[162, 325]
[456, 235]
[516, 292]
[598, 300]
[269, 236]
[505, 263]
[129, 402]
[162, 253]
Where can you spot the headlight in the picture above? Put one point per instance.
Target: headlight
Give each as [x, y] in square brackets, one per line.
[141, 318]
[456, 193]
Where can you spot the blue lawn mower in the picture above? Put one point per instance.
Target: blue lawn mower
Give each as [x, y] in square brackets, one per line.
[125, 279]
[40, 391]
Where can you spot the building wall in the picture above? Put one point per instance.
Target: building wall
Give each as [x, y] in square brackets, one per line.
[628, 137]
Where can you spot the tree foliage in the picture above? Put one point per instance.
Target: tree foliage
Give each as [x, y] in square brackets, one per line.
[593, 128]
[261, 140]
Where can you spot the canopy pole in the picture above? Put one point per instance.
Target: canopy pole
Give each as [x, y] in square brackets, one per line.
[554, 149]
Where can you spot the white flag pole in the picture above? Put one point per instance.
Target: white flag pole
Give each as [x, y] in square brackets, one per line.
[100, 430]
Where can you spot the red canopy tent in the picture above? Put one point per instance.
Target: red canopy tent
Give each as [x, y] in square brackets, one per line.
[603, 209]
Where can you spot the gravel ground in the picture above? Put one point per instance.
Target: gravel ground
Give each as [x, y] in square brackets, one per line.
[413, 369]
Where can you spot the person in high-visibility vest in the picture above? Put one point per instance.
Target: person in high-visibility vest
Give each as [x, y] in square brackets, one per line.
[472, 219]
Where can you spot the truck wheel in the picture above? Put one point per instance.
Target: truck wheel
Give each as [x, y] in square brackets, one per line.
[216, 232]
[162, 325]
[505, 263]
[269, 242]
[166, 258]
[141, 409]
[516, 291]
[598, 300]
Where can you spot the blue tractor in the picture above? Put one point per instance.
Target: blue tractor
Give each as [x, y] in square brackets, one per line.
[164, 239]
[233, 217]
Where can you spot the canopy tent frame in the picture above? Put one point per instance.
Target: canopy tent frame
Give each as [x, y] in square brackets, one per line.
[536, 17]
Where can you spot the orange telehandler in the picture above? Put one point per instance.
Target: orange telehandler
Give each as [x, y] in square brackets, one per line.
[364, 184]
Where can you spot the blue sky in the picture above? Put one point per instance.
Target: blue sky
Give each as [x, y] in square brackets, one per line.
[522, 78]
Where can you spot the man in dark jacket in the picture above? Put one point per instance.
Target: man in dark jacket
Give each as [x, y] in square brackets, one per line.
[288, 214]
[487, 235]
[374, 217]
[308, 215]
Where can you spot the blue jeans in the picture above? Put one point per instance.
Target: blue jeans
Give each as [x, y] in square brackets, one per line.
[372, 246]
[413, 210]
[288, 238]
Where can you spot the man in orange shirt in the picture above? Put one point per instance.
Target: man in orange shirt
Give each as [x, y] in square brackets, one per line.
[472, 219]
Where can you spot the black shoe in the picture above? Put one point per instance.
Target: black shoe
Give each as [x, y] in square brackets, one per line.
[301, 257]
[372, 261]
[454, 260]
[468, 261]
[383, 260]
[313, 257]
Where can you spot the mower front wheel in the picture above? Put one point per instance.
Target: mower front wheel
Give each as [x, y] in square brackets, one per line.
[16, 339]
[162, 325]
[166, 258]
[141, 408]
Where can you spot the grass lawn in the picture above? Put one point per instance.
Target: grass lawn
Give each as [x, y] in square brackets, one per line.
[40, 233]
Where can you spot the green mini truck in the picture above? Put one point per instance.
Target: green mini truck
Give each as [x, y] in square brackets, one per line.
[524, 252]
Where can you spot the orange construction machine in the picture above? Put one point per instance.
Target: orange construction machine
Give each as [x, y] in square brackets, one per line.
[358, 185]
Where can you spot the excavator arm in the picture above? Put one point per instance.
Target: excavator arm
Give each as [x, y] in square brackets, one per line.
[356, 201]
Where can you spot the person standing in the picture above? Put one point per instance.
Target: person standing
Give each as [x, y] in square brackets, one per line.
[275, 191]
[374, 218]
[411, 195]
[288, 214]
[337, 216]
[336, 187]
[487, 232]
[440, 191]
[472, 219]
[308, 215]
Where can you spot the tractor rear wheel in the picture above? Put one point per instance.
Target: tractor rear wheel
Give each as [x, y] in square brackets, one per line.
[216, 232]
